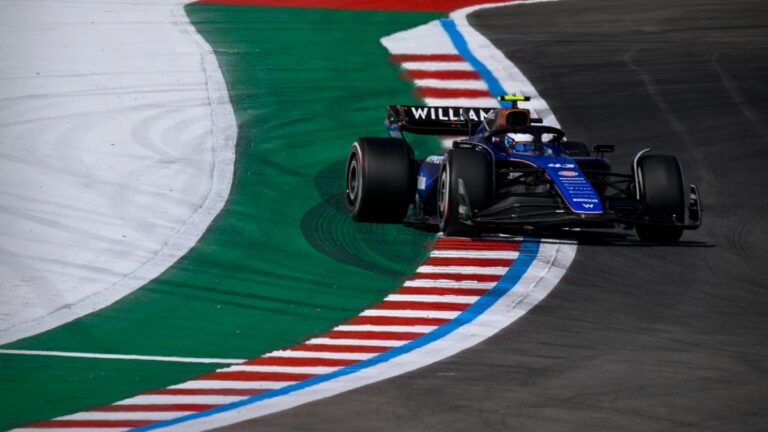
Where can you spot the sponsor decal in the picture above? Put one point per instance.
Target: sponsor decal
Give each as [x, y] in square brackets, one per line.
[568, 173]
[591, 200]
[447, 113]
[557, 165]
[419, 113]
[422, 182]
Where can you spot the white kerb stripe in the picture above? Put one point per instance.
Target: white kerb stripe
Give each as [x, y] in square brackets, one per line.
[387, 328]
[466, 270]
[411, 313]
[356, 342]
[125, 415]
[446, 283]
[478, 102]
[449, 253]
[452, 84]
[432, 298]
[428, 38]
[289, 369]
[321, 355]
[179, 399]
[234, 384]
[438, 66]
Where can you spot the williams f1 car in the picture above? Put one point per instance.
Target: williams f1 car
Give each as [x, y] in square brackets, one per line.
[512, 172]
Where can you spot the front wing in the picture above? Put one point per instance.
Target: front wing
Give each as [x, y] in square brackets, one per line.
[534, 211]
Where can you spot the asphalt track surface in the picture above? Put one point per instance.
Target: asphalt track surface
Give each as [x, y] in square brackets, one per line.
[635, 337]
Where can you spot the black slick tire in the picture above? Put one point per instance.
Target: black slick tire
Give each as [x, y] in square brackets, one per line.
[381, 179]
[474, 168]
[661, 186]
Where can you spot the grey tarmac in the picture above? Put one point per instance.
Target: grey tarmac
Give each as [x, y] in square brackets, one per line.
[635, 337]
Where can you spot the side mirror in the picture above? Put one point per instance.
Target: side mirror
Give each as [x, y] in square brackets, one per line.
[574, 149]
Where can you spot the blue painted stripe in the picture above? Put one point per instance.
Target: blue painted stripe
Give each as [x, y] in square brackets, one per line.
[529, 249]
[460, 43]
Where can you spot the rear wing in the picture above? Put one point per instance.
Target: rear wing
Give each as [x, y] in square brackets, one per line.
[428, 120]
[455, 121]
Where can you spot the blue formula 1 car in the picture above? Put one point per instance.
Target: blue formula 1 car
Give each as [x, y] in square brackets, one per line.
[511, 172]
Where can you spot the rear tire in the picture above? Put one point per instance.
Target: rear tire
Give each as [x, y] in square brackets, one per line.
[661, 186]
[381, 179]
[475, 170]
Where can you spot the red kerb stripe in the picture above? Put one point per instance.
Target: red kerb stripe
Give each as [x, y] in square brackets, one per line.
[456, 277]
[446, 93]
[340, 334]
[340, 348]
[402, 58]
[169, 407]
[442, 291]
[255, 376]
[396, 321]
[300, 361]
[470, 244]
[415, 74]
[425, 306]
[204, 392]
[475, 262]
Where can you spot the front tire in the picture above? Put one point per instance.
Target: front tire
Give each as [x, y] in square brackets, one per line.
[475, 171]
[661, 186]
[381, 179]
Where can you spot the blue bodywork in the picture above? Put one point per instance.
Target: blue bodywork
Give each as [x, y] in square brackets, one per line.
[564, 172]
[539, 180]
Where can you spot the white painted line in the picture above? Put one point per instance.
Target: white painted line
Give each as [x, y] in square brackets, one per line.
[125, 415]
[438, 66]
[387, 328]
[411, 313]
[465, 270]
[452, 84]
[179, 399]
[289, 369]
[449, 253]
[432, 298]
[321, 355]
[445, 283]
[122, 356]
[356, 342]
[224, 384]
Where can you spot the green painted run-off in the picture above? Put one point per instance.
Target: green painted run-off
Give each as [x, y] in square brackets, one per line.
[283, 261]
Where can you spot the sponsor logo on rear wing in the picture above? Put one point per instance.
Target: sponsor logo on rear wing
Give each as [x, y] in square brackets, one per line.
[429, 120]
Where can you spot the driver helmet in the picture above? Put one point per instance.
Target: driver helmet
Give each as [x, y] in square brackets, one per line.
[520, 142]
